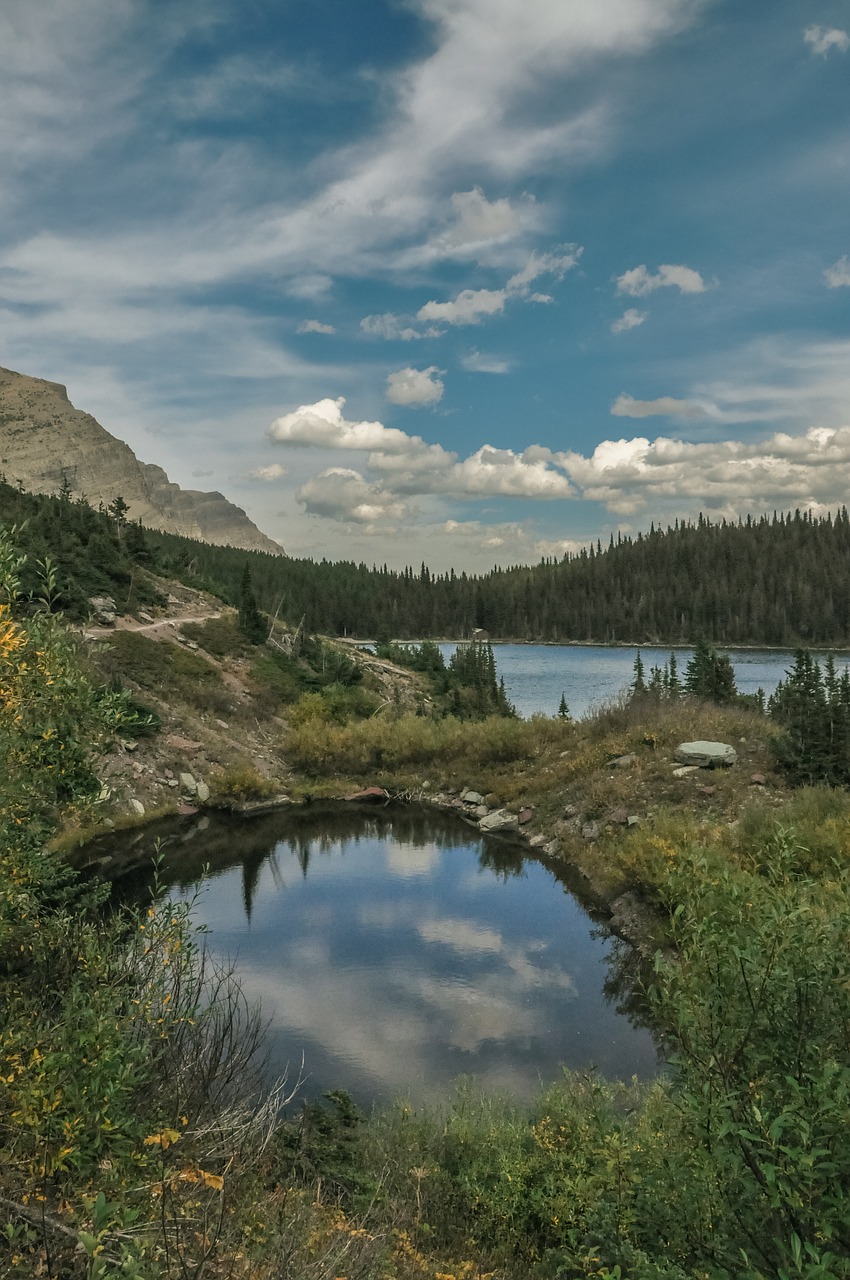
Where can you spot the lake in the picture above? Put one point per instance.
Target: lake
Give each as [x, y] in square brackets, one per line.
[397, 949]
[536, 675]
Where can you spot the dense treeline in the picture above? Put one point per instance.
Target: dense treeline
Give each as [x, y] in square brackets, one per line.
[780, 581]
[783, 580]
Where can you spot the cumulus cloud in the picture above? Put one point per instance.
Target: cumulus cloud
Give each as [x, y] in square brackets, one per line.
[479, 362]
[626, 406]
[345, 495]
[274, 471]
[629, 320]
[321, 425]
[638, 281]
[728, 476]
[822, 39]
[415, 386]
[478, 223]
[315, 326]
[839, 273]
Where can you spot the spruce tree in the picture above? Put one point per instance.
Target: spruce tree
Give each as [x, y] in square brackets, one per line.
[252, 623]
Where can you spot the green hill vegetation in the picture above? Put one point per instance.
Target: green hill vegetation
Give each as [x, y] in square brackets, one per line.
[137, 1139]
[782, 581]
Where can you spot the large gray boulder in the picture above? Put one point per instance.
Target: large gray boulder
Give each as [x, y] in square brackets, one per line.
[706, 755]
[499, 820]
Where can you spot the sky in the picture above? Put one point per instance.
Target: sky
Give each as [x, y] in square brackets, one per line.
[464, 281]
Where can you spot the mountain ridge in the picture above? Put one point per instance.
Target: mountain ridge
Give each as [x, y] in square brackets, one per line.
[46, 443]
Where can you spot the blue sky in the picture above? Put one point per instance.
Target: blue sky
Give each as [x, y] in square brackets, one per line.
[469, 281]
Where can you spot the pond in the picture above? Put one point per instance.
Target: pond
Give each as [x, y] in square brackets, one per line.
[396, 949]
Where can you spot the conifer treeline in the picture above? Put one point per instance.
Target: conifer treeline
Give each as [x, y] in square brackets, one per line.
[783, 580]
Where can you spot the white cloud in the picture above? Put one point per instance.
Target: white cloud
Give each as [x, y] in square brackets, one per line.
[822, 39]
[471, 306]
[638, 282]
[314, 326]
[839, 273]
[479, 362]
[626, 406]
[274, 471]
[311, 287]
[391, 326]
[415, 386]
[479, 223]
[321, 425]
[724, 476]
[630, 319]
[345, 495]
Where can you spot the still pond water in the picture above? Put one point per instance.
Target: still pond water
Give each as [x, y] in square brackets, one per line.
[396, 950]
[536, 675]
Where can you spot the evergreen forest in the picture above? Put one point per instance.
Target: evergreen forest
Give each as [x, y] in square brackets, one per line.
[782, 580]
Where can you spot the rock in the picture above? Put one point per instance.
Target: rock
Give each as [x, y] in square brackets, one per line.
[103, 610]
[619, 816]
[707, 755]
[144, 617]
[186, 810]
[552, 848]
[758, 779]
[707, 791]
[524, 816]
[480, 811]
[491, 800]
[180, 744]
[188, 783]
[538, 841]
[172, 782]
[191, 644]
[222, 724]
[684, 769]
[471, 797]
[633, 820]
[137, 807]
[570, 811]
[623, 762]
[167, 773]
[499, 820]
[202, 791]
[590, 831]
[371, 795]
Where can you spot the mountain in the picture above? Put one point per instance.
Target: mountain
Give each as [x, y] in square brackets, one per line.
[45, 444]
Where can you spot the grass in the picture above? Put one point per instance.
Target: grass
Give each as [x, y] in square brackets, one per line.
[165, 669]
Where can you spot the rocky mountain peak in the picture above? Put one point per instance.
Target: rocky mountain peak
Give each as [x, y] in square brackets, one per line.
[46, 443]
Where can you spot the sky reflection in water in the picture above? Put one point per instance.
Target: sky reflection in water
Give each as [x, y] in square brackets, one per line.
[397, 955]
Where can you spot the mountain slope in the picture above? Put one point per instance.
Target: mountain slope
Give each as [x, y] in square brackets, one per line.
[45, 442]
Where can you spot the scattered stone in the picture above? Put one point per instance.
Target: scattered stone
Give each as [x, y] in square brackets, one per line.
[552, 848]
[172, 782]
[222, 724]
[471, 797]
[707, 791]
[137, 807]
[491, 800]
[181, 744]
[188, 783]
[623, 762]
[202, 791]
[371, 795]
[524, 816]
[570, 811]
[590, 831]
[103, 610]
[684, 769]
[633, 820]
[190, 644]
[480, 810]
[758, 779]
[538, 841]
[619, 816]
[168, 773]
[144, 617]
[186, 810]
[706, 755]
[499, 820]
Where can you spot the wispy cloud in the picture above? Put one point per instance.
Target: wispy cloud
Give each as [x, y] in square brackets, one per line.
[630, 319]
[626, 406]
[838, 274]
[821, 39]
[314, 326]
[480, 362]
[638, 282]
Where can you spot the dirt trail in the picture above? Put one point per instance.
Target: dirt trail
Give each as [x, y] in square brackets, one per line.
[162, 627]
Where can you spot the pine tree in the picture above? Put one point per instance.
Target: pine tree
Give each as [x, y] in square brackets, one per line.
[252, 623]
[563, 709]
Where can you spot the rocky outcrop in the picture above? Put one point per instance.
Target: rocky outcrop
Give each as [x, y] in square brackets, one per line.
[706, 755]
[45, 443]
